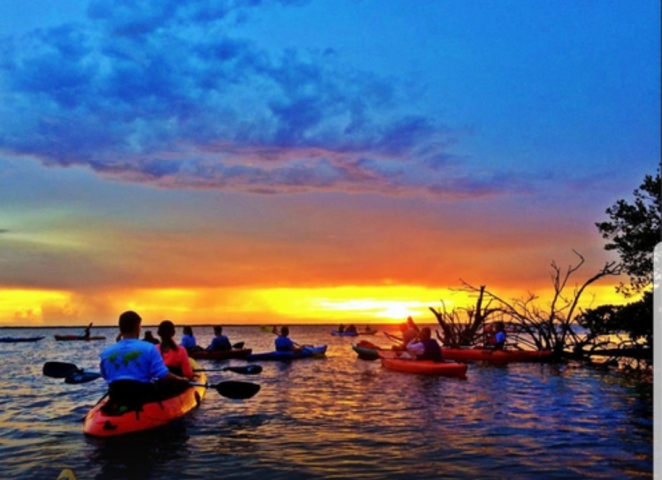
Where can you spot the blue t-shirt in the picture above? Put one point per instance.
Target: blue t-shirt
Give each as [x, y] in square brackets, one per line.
[284, 344]
[188, 341]
[500, 337]
[132, 359]
[220, 342]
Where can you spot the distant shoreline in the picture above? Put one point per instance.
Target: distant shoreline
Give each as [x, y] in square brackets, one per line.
[209, 325]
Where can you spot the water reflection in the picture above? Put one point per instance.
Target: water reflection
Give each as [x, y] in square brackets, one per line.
[339, 418]
[141, 455]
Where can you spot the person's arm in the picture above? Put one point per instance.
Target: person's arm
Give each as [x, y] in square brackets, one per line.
[185, 364]
[416, 347]
[160, 371]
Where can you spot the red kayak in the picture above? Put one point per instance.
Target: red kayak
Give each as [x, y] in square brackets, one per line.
[76, 337]
[102, 421]
[221, 354]
[403, 362]
[480, 354]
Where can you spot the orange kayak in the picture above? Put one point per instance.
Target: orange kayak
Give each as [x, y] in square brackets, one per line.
[101, 423]
[496, 356]
[400, 362]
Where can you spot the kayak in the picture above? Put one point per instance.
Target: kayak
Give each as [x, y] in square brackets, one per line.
[366, 350]
[366, 353]
[102, 422]
[20, 339]
[480, 354]
[344, 334]
[66, 474]
[306, 352]
[76, 337]
[221, 354]
[401, 362]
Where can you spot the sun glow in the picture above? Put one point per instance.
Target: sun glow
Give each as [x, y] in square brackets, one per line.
[358, 304]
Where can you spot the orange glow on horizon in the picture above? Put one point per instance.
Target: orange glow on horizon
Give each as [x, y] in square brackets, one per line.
[380, 304]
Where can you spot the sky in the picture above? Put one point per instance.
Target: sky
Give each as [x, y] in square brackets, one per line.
[301, 161]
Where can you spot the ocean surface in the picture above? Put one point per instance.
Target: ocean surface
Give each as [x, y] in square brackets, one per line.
[338, 417]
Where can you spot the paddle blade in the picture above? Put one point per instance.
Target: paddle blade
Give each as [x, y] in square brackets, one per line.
[238, 345]
[237, 390]
[247, 370]
[82, 377]
[59, 369]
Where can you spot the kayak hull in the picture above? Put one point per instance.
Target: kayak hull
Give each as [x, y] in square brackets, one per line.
[20, 339]
[69, 338]
[495, 356]
[366, 353]
[405, 364]
[221, 354]
[307, 352]
[152, 415]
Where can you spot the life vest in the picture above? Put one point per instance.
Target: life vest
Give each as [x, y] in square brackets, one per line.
[432, 351]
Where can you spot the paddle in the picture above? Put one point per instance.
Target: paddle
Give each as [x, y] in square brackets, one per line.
[393, 338]
[70, 372]
[232, 389]
[74, 375]
[247, 370]
[59, 369]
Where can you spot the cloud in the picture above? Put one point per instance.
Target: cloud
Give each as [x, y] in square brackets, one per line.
[163, 93]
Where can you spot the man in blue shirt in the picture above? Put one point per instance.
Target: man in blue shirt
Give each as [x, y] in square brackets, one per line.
[134, 369]
[500, 336]
[220, 342]
[283, 342]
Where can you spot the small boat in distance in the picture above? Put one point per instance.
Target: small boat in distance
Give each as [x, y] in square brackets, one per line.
[77, 337]
[20, 339]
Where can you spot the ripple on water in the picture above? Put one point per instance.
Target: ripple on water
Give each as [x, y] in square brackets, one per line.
[338, 418]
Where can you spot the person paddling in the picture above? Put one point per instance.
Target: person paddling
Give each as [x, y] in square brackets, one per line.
[220, 342]
[500, 336]
[283, 343]
[425, 347]
[188, 340]
[88, 332]
[134, 370]
[149, 337]
[174, 356]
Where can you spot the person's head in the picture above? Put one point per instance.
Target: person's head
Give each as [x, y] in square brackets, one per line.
[166, 329]
[148, 334]
[425, 333]
[218, 330]
[188, 331]
[285, 331]
[130, 323]
[500, 326]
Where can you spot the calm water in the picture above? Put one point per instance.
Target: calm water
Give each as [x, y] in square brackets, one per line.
[338, 417]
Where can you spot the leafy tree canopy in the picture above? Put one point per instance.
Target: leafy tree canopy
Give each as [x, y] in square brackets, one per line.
[633, 232]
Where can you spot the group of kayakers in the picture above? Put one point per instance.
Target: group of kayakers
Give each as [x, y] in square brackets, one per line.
[140, 370]
[420, 344]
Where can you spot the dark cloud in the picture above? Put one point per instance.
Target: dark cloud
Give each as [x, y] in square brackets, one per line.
[162, 92]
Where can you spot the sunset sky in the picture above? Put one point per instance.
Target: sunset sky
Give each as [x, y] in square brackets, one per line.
[264, 161]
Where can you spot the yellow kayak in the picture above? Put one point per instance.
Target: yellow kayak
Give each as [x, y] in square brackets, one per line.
[66, 474]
